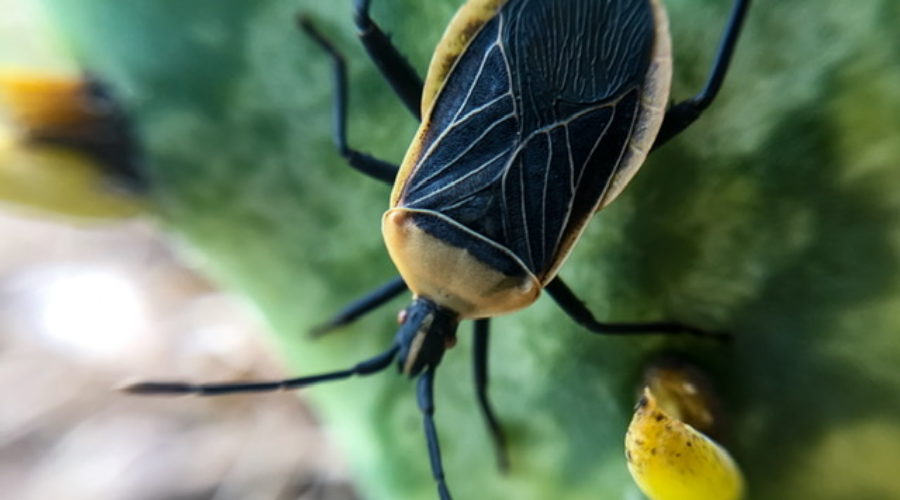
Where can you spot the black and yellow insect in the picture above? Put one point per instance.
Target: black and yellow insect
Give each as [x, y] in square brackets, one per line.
[534, 115]
[68, 147]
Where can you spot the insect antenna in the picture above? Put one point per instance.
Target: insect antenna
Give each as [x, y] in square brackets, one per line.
[367, 367]
[425, 399]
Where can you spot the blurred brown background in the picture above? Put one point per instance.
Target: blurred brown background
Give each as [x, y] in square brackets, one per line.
[85, 306]
[81, 310]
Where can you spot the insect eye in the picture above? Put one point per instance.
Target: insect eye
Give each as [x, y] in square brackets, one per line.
[401, 316]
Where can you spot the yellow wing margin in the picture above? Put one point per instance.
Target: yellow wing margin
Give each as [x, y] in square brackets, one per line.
[467, 22]
[465, 25]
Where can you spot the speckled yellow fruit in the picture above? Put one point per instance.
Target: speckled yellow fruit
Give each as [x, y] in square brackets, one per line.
[670, 460]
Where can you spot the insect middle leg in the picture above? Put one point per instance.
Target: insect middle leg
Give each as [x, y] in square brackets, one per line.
[575, 308]
[681, 115]
[367, 164]
[480, 371]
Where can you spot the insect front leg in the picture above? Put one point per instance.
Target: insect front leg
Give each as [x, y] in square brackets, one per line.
[575, 308]
[371, 301]
[681, 115]
[480, 370]
[401, 76]
[369, 165]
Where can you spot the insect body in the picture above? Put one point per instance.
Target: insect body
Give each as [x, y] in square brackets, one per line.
[540, 121]
[535, 114]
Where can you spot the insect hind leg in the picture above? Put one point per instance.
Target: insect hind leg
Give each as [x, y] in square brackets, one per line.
[369, 165]
[400, 75]
[681, 115]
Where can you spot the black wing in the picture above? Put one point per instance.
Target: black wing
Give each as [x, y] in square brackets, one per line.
[533, 121]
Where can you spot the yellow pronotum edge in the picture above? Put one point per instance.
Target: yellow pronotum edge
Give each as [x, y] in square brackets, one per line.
[670, 460]
[451, 276]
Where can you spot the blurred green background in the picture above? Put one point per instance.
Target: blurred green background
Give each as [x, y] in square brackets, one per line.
[776, 217]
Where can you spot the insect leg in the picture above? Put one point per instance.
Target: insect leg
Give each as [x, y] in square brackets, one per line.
[366, 367]
[480, 360]
[371, 166]
[425, 398]
[396, 69]
[373, 300]
[683, 114]
[575, 308]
